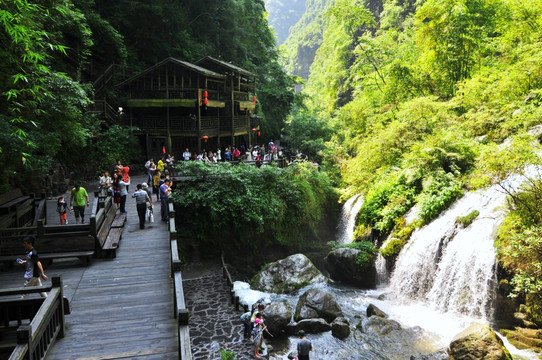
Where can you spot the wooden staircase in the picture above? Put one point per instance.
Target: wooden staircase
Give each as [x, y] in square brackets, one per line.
[112, 76]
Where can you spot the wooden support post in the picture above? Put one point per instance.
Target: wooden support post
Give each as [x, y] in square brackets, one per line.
[237, 303]
[56, 281]
[23, 334]
[183, 317]
[41, 228]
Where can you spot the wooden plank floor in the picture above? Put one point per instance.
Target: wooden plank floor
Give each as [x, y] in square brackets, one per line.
[122, 308]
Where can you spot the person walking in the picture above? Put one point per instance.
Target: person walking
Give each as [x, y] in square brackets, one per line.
[141, 197]
[62, 209]
[77, 202]
[165, 191]
[34, 269]
[304, 347]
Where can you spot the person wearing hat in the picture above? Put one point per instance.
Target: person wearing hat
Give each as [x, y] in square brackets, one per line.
[257, 335]
[304, 347]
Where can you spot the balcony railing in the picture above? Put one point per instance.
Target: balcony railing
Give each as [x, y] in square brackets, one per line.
[190, 124]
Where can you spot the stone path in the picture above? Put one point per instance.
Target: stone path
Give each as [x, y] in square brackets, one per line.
[214, 322]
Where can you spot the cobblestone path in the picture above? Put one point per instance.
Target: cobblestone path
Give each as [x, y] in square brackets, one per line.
[214, 322]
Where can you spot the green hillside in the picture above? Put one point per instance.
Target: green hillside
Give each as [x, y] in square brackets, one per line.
[436, 98]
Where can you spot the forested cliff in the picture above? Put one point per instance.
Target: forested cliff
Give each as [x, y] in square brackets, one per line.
[421, 103]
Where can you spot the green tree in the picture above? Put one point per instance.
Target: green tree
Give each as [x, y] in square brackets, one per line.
[454, 34]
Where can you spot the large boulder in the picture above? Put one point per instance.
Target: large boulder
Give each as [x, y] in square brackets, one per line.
[310, 326]
[372, 310]
[340, 328]
[287, 275]
[315, 303]
[480, 342]
[342, 266]
[277, 317]
[380, 326]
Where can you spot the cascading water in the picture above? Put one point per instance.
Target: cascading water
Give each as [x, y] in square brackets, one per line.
[348, 219]
[451, 267]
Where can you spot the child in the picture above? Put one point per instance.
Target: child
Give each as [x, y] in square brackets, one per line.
[256, 337]
[62, 209]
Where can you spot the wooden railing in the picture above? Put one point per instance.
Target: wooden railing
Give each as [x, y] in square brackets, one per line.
[227, 276]
[35, 339]
[25, 213]
[102, 107]
[179, 306]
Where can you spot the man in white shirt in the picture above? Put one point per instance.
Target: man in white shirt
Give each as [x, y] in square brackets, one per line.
[187, 155]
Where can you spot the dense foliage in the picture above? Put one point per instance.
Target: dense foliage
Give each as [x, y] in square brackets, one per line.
[245, 210]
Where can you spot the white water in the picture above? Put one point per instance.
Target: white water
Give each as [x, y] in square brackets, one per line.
[444, 280]
[347, 223]
[452, 268]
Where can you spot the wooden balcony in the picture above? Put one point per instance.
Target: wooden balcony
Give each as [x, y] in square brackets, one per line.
[188, 126]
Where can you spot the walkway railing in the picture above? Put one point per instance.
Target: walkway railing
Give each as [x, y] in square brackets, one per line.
[35, 339]
[227, 276]
[179, 306]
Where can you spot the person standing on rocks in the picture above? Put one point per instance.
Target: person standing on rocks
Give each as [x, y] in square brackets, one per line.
[257, 336]
[245, 319]
[304, 347]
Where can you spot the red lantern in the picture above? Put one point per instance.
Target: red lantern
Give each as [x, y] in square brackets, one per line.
[254, 100]
[205, 101]
[205, 138]
[163, 149]
[259, 133]
[205, 94]
[253, 130]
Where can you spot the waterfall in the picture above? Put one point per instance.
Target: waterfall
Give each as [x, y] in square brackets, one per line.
[347, 223]
[452, 268]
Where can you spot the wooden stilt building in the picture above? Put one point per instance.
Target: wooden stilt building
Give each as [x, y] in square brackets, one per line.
[177, 105]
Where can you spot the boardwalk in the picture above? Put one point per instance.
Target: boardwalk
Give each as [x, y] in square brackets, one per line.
[122, 308]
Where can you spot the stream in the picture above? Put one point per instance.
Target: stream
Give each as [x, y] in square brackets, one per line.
[444, 279]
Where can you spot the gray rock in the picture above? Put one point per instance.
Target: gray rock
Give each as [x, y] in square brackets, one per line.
[342, 266]
[315, 303]
[340, 328]
[310, 326]
[277, 317]
[380, 326]
[372, 310]
[478, 341]
[287, 275]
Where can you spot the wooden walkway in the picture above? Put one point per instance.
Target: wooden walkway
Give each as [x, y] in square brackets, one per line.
[122, 308]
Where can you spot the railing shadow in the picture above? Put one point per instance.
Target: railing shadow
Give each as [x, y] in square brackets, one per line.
[34, 340]
[180, 312]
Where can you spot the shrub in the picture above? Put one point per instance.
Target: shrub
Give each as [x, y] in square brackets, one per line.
[440, 191]
[467, 219]
[367, 251]
[246, 209]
